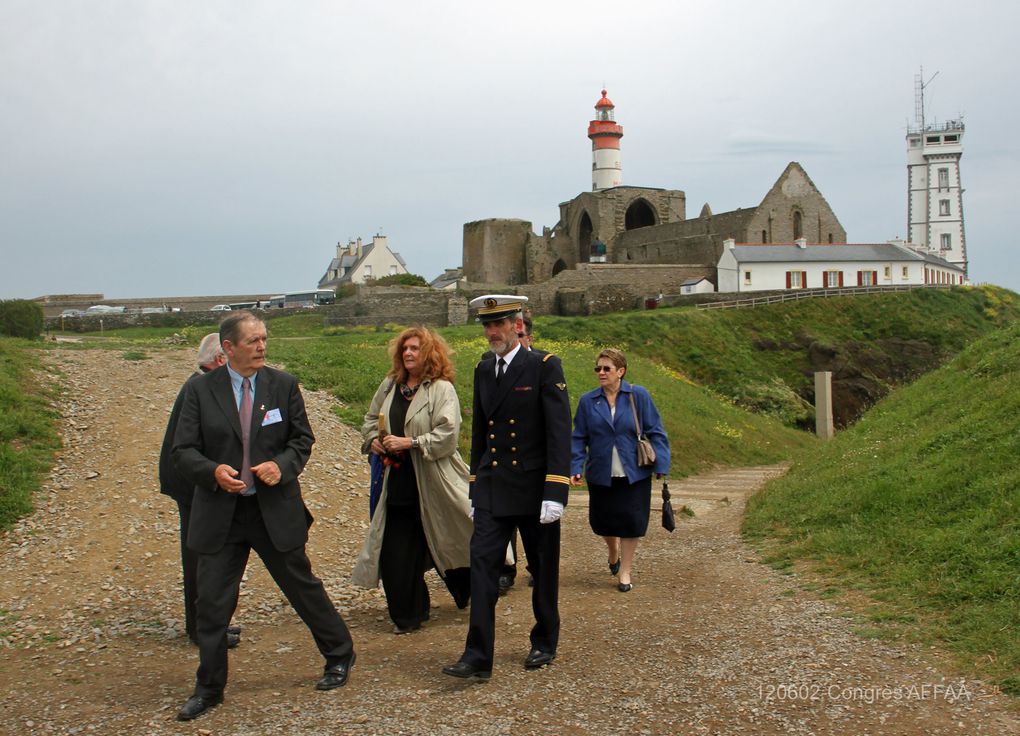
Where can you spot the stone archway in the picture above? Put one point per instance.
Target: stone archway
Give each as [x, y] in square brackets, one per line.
[639, 214]
[585, 236]
[558, 266]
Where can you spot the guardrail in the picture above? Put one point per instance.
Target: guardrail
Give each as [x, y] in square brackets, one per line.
[815, 294]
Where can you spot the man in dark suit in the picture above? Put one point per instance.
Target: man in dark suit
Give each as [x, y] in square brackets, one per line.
[247, 496]
[520, 460]
[171, 483]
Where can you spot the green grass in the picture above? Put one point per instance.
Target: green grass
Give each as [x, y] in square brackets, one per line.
[28, 434]
[703, 429]
[918, 507]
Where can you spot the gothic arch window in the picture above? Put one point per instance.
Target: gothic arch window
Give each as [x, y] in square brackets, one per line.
[798, 225]
[764, 237]
[639, 214]
[558, 266]
[585, 236]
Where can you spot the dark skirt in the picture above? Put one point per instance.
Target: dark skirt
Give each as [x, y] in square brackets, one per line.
[620, 510]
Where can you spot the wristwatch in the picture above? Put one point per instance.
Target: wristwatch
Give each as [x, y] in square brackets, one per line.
[414, 443]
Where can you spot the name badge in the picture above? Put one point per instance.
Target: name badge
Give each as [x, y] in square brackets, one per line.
[272, 417]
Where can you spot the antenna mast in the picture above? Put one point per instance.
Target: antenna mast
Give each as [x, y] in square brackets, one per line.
[919, 86]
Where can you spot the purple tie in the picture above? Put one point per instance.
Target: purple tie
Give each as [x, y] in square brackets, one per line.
[245, 411]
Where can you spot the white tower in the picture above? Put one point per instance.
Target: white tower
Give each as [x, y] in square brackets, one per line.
[605, 134]
[934, 190]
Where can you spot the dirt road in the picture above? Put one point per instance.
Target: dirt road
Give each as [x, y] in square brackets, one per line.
[708, 642]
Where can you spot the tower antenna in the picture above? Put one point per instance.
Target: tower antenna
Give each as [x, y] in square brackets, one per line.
[919, 87]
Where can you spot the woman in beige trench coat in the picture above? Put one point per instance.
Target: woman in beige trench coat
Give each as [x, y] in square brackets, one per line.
[423, 516]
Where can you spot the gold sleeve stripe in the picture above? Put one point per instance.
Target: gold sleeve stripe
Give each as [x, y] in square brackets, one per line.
[557, 479]
[546, 357]
[471, 479]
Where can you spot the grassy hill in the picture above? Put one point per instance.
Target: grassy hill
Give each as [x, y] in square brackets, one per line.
[918, 506]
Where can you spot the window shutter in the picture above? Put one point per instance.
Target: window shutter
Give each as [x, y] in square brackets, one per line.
[860, 278]
[803, 279]
[787, 279]
[841, 278]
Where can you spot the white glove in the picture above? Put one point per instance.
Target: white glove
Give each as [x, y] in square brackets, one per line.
[551, 511]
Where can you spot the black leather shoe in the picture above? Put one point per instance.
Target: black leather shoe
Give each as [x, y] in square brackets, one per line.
[537, 658]
[614, 567]
[336, 675]
[505, 583]
[233, 639]
[398, 630]
[465, 670]
[624, 587]
[196, 705]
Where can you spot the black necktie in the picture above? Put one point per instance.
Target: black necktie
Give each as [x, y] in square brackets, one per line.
[500, 369]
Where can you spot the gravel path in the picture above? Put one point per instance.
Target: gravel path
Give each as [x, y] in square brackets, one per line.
[708, 642]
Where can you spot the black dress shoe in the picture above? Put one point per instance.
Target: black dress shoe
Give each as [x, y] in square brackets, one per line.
[196, 705]
[233, 639]
[624, 587]
[465, 670]
[537, 658]
[336, 675]
[505, 583]
[614, 567]
[398, 630]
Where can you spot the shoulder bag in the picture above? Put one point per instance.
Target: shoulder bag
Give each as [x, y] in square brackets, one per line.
[668, 520]
[645, 451]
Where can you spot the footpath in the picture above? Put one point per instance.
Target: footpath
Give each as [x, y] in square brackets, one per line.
[709, 641]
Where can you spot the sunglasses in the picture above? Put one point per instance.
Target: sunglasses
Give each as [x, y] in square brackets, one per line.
[603, 368]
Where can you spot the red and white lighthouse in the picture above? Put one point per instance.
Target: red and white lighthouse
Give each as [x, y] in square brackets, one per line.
[605, 135]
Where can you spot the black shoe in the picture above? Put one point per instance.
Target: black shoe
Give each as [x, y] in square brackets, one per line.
[505, 583]
[196, 705]
[531, 581]
[614, 567]
[465, 670]
[336, 675]
[405, 629]
[234, 630]
[233, 639]
[537, 658]
[624, 587]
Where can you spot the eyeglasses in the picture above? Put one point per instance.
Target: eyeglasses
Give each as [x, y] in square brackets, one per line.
[603, 368]
[521, 335]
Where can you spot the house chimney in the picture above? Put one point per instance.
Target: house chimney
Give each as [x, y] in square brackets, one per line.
[339, 249]
[801, 243]
[358, 252]
[729, 243]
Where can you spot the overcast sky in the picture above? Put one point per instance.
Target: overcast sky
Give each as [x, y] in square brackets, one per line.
[204, 147]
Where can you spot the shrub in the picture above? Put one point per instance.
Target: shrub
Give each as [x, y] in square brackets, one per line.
[21, 318]
[401, 279]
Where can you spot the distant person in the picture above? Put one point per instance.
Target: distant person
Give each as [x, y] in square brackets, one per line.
[423, 516]
[520, 457]
[171, 483]
[242, 440]
[604, 449]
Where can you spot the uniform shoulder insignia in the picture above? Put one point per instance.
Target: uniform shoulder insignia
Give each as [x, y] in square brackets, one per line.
[546, 357]
[561, 386]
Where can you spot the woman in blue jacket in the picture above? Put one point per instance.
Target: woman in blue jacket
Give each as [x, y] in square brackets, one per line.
[604, 448]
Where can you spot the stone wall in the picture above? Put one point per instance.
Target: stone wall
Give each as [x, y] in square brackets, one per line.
[495, 251]
[404, 305]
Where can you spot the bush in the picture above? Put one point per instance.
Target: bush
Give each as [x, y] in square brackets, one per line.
[401, 279]
[21, 318]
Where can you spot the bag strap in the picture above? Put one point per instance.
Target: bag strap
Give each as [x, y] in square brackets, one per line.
[637, 422]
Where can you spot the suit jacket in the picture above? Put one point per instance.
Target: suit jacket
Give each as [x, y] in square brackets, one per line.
[520, 436]
[171, 482]
[597, 431]
[209, 434]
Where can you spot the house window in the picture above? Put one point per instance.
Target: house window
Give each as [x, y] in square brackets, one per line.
[833, 279]
[796, 280]
[943, 178]
[393, 270]
[946, 241]
[887, 273]
[798, 228]
[943, 207]
[906, 272]
[867, 278]
[367, 271]
[747, 278]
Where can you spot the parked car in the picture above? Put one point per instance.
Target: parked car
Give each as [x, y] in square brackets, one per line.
[72, 313]
[221, 308]
[104, 309]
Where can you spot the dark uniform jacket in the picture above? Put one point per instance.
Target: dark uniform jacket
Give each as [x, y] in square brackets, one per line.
[171, 482]
[209, 433]
[520, 436]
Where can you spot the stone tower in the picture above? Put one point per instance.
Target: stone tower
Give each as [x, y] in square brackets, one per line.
[605, 134]
[934, 188]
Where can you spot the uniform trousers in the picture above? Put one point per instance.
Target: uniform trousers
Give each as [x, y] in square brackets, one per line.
[488, 552]
[219, 580]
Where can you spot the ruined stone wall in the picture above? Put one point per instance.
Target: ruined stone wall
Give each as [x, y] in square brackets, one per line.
[495, 251]
[671, 243]
[794, 192]
[404, 305]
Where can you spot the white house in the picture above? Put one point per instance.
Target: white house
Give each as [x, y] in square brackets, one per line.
[356, 263]
[697, 286]
[449, 279]
[825, 266]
